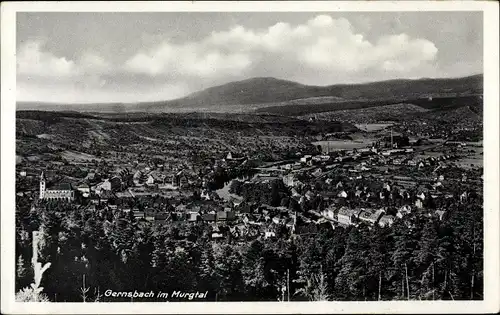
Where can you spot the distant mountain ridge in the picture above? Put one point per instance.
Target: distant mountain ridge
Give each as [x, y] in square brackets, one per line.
[267, 91]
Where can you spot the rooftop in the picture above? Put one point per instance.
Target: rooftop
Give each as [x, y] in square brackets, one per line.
[61, 186]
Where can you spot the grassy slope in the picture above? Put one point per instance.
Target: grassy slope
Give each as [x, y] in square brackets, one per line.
[437, 103]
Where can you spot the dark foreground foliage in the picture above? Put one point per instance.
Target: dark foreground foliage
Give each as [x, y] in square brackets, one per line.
[419, 258]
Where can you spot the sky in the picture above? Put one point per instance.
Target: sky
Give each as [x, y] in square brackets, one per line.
[82, 57]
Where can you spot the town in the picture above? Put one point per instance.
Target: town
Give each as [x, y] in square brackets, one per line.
[225, 183]
[241, 198]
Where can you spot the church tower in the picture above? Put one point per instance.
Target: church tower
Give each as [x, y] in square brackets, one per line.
[42, 186]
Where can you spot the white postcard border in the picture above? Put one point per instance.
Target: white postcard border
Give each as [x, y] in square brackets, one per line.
[491, 302]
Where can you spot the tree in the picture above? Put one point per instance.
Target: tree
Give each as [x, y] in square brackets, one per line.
[22, 274]
[230, 269]
[315, 287]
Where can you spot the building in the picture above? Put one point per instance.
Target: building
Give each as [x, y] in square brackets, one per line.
[371, 216]
[84, 189]
[305, 158]
[234, 157]
[208, 217]
[289, 180]
[347, 216]
[329, 213]
[103, 186]
[155, 178]
[62, 191]
[116, 183]
[386, 221]
[137, 178]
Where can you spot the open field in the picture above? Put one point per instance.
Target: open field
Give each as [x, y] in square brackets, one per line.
[474, 159]
[372, 127]
[76, 156]
[470, 162]
[338, 145]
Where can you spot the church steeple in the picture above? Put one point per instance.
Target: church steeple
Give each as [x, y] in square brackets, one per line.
[42, 185]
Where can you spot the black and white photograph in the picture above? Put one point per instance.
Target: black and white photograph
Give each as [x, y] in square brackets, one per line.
[195, 157]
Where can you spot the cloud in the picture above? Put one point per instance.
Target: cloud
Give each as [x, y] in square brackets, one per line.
[190, 59]
[327, 44]
[33, 61]
[322, 50]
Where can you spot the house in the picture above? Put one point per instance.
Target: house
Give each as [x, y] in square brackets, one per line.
[137, 178]
[91, 176]
[161, 216]
[179, 216]
[106, 195]
[419, 204]
[221, 216]
[440, 214]
[103, 186]
[289, 180]
[183, 181]
[276, 220]
[347, 216]
[269, 234]
[436, 185]
[138, 214]
[230, 216]
[295, 194]
[342, 194]
[290, 224]
[309, 195]
[233, 156]
[155, 177]
[205, 194]
[94, 199]
[329, 213]
[403, 211]
[192, 216]
[84, 189]
[370, 216]
[317, 172]
[358, 193]
[364, 215]
[216, 235]
[387, 187]
[305, 158]
[208, 217]
[386, 221]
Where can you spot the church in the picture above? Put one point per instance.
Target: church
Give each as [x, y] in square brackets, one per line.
[62, 191]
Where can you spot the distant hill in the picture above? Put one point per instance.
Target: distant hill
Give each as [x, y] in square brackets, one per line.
[395, 112]
[434, 103]
[266, 91]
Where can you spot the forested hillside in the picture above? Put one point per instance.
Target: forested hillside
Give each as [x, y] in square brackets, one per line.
[418, 259]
